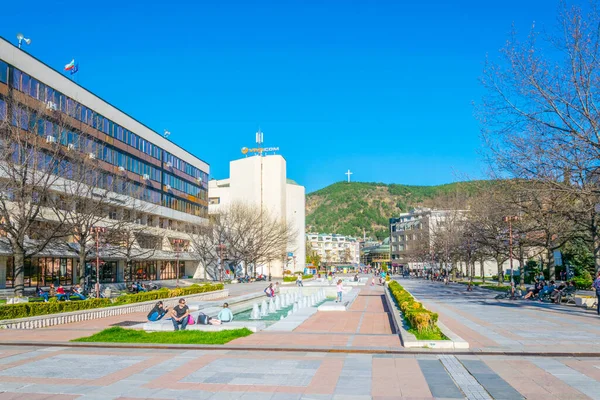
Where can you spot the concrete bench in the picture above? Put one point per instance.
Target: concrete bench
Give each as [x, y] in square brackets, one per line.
[167, 326]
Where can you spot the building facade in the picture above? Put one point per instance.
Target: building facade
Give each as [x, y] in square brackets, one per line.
[172, 183]
[262, 181]
[335, 249]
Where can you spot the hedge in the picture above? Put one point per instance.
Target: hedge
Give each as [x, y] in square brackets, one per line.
[293, 278]
[416, 315]
[23, 310]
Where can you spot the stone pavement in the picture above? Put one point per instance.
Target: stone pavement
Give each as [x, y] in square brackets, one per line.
[72, 373]
[366, 325]
[508, 325]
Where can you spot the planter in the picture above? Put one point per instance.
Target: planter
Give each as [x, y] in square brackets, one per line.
[410, 341]
[41, 321]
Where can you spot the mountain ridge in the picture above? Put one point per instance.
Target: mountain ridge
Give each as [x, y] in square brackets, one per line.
[351, 208]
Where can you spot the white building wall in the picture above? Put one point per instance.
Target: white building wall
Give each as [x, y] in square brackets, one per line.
[295, 208]
[282, 200]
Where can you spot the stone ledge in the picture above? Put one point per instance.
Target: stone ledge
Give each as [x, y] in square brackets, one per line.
[42, 321]
[253, 326]
[410, 341]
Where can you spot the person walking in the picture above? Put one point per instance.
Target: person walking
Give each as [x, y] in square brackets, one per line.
[340, 290]
[596, 285]
[299, 281]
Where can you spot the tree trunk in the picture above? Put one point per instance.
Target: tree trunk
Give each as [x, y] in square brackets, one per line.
[482, 269]
[521, 270]
[596, 241]
[551, 267]
[500, 271]
[80, 269]
[19, 271]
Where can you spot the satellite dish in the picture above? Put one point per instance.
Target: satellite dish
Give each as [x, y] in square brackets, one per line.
[28, 41]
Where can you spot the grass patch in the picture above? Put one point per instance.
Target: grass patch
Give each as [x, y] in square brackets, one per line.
[117, 334]
[432, 334]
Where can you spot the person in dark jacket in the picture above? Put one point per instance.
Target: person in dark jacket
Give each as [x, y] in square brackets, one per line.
[157, 312]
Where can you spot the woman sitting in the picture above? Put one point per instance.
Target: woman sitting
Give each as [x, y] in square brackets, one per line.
[270, 291]
[157, 312]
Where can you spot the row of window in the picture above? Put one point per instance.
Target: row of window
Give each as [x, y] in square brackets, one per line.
[44, 271]
[182, 186]
[21, 118]
[29, 85]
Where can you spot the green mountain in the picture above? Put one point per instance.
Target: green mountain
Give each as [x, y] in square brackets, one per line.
[349, 208]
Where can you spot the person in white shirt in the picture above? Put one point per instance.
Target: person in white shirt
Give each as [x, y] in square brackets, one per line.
[225, 315]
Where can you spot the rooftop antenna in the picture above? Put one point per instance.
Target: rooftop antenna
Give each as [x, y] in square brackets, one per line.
[166, 134]
[22, 38]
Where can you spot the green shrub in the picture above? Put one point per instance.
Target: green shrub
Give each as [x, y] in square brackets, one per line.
[293, 278]
[23, 310]
[582, 282]
[165, 293]
[419, 318]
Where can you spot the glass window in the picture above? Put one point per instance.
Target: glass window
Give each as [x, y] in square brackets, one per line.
[2, 110]
[3, 72]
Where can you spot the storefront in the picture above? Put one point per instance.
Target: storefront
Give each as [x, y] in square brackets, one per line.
[153, 270]
[42, 271]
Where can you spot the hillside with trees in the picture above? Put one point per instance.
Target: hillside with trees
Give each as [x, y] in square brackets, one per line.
[349, 208]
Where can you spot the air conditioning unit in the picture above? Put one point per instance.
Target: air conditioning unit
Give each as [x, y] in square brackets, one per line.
[122, 169]
[71, 146]
[50, 139]
[169, 164]
[92, 156]
[146, 177]
[168, 187]
[50, 105]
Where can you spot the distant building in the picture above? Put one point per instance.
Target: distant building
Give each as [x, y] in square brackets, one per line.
[376, 254]
[263, 180]
[335, 249]
[411, 237]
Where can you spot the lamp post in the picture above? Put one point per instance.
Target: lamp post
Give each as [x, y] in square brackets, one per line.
[510, 219]
[97, 230]
[176, 243]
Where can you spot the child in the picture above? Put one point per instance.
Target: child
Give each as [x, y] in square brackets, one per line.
[340, 289]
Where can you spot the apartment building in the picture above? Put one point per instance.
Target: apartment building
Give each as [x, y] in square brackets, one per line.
[172, 183]
[335, 249]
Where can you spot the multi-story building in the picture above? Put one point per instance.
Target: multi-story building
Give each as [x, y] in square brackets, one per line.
[172, 183]
[412, 235]
[261, 181]
[335, 249]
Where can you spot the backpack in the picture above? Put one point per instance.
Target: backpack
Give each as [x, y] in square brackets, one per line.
[191, 320]
[203, 319]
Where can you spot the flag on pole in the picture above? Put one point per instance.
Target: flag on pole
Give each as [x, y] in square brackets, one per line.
[70, 65]
[74, 69]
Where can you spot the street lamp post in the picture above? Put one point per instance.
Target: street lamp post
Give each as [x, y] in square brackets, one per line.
[97, 230]
[510, 219]
[176, 243]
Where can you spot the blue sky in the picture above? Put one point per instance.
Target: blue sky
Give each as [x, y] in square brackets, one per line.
[385, 88]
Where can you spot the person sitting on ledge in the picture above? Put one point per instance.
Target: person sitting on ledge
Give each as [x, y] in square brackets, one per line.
[60, 293]
[41, 294]
[157, 312]
[225, 315]
[179, 315]
[270, 291]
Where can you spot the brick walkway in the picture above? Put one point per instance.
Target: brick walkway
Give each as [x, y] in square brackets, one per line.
[108, 374]
[365, 325]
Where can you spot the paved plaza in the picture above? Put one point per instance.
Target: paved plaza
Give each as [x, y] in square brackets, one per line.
[351, 355]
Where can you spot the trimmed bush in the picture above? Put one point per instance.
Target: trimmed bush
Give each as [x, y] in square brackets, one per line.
[293, 278]
[23, 310]
[418, 318]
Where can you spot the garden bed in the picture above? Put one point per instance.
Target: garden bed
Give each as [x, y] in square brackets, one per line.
[120, 335]
[417, 326]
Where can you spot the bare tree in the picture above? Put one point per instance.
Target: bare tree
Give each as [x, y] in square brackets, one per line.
[540, 115]
[30, 170]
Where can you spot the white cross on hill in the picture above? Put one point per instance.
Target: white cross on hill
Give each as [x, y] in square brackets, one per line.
[348, 173]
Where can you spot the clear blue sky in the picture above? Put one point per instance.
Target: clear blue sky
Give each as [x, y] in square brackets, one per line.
[384, 88]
